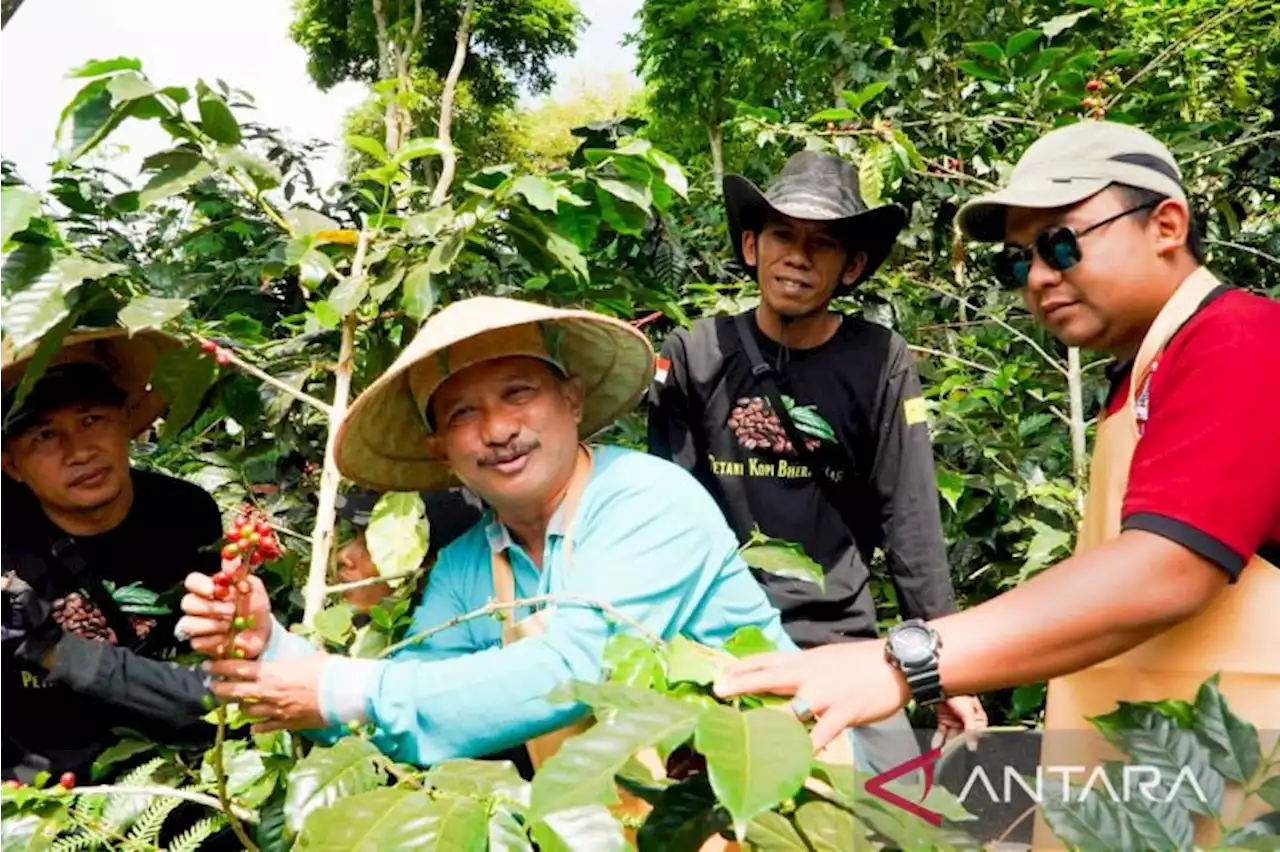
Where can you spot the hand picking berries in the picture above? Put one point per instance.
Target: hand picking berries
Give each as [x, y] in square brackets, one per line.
[250, 541]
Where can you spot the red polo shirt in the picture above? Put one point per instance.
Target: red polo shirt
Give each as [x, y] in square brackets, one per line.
[1206, 472]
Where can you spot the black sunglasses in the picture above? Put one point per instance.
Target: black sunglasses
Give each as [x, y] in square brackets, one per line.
[1059, 247]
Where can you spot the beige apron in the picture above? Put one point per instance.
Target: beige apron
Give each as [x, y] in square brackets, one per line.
[1238, 635]
[541, 748]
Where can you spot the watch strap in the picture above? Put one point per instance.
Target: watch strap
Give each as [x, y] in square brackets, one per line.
[925, 684]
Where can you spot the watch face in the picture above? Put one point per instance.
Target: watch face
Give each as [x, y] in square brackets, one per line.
[912, 645]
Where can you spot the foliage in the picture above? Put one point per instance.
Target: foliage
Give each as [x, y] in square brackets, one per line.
[514, 41]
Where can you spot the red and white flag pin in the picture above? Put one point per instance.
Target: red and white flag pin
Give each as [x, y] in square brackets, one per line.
[663, 368]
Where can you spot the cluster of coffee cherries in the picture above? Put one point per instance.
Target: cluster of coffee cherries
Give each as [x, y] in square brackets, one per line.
[250, 542]
[66, 782]
[222, 356]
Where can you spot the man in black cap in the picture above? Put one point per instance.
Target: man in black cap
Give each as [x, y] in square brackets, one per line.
[809, 424]
[90, 546]
[449, 515]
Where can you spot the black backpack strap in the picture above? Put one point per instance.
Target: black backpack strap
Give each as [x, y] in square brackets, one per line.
[67, 554]
[764, 373]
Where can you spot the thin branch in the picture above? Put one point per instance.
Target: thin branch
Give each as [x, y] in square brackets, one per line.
[938, 352]
[245, 367]
[287, 531]
[398, 773]
[939, 326]
[165, 793]
[339, 588]
[322, 532]
[497, 606]
[1250, 249]
[220, 773]
[997, 320]
[985, 184]
[1173, 49]
[261, 202]
[1227, 147]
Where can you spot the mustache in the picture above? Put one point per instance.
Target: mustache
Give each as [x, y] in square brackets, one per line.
[510, 452]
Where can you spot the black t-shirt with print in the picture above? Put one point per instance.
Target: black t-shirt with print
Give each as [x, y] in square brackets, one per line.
[711, 415]
[173, 528]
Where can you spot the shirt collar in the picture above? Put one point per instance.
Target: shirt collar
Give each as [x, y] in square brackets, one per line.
[500, 538]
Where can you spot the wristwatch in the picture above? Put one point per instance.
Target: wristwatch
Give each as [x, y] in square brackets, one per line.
[912, 647]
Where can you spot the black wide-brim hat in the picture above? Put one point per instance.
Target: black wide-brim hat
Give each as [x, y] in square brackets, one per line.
[817, 187]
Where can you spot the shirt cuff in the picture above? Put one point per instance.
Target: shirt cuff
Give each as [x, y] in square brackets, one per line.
[1195, 540]
[345, 686]
[283, 645]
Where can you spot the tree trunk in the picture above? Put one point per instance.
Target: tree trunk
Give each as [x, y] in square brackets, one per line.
[449, 159]
[326, 511]
[839, 73]
[386, 69]
[715, 135]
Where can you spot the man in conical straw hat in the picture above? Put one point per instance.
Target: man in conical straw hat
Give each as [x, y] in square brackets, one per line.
[78, 515]
[500, 396]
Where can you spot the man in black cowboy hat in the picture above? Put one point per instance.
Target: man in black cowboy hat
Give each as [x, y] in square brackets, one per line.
[810, 425]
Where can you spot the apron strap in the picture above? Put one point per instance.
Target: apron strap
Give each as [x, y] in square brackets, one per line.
[500, 565]
[1185, 302]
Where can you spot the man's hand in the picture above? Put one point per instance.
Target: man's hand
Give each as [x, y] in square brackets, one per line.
[286, 694]
[29, 631]
[208, 621]
[845, 684]
[355, 564]
[960, 714]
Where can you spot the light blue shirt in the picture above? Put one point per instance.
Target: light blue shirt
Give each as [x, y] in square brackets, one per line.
[648, 539]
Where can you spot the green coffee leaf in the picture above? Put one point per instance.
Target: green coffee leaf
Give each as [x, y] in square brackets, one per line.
[581, 773]
[591, 828]
[334, 624]
[480, 779]
[397, 536]
[17, 205]
[690, 662]
[216, 119]
[538, 191]
[328, 775]
[396, 818]
[1232, 741]
[419, 296]
[182, 376]
[755, 759]
[783, 559]
[150, 312]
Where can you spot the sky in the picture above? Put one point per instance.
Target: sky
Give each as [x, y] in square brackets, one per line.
[244, 42]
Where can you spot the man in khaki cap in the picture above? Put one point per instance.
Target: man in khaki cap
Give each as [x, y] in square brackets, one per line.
[502, 396]
[1174, 577]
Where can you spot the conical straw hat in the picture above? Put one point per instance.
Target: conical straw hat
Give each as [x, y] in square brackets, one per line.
[129, 359]
[382, 444]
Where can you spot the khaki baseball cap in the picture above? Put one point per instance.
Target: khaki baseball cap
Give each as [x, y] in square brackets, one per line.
[1070, 164]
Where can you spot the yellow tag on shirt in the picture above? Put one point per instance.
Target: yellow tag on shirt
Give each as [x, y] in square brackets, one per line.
[915, 411]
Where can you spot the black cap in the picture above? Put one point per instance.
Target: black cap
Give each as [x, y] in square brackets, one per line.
[450, 513]
[62, 384]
